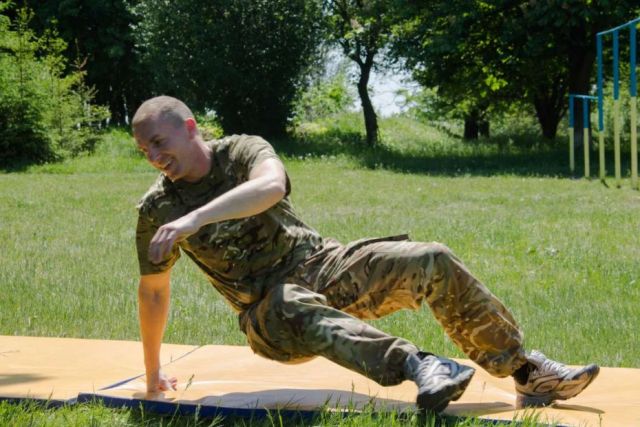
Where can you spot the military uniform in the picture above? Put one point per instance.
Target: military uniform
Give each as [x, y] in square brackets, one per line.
[299, 295]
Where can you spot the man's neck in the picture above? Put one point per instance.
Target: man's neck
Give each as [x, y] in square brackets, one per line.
[202, 163]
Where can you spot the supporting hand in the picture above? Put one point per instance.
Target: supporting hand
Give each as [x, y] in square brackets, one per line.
[159, 382]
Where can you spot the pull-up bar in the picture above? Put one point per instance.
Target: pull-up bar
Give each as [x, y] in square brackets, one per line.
[631, 25]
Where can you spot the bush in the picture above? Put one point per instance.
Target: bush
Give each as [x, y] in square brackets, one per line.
[44, 114]
[245, 60]
[324, 97]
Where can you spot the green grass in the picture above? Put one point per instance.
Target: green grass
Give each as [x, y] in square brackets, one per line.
[561, 253]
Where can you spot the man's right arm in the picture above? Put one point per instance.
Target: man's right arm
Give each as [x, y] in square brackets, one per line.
[154, 294]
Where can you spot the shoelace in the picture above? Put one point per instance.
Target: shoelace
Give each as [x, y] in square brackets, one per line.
[554, 367]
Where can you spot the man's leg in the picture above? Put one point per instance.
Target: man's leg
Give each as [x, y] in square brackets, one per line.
[370, 280]
[292, 324]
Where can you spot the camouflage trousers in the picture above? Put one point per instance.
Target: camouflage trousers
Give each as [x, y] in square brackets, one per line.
[318, 309]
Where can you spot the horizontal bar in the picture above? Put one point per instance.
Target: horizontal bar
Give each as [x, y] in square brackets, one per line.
[628, 24]
[574, 95]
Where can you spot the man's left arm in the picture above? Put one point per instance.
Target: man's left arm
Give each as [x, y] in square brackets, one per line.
[266, 186]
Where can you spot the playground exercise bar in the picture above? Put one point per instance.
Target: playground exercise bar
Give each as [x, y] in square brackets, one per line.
[616, 109]
[585, 135]
[572, 156]
[617, 120]
[600, 95]
[611, 30]
[585, 130]
[632, 105]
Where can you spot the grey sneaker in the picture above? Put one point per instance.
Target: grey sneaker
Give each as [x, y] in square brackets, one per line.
[439, 380]
[550, 380]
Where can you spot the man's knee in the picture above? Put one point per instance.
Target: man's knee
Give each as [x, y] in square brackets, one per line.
[438, 249]
[274, 325]
[288, 300]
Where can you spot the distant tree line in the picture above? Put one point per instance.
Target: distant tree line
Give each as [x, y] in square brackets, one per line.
[249, 60]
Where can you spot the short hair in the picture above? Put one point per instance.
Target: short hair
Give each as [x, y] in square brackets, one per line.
[165, 107]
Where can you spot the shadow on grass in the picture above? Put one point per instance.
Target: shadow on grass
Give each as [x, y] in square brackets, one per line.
[485, 157]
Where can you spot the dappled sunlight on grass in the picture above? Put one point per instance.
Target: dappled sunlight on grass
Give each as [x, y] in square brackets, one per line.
[410, 146]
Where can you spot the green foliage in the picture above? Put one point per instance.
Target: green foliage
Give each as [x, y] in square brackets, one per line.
[324, 97]
[503, 52]
[362, 29]
[99, 33]
[44, 114]
[245, 60]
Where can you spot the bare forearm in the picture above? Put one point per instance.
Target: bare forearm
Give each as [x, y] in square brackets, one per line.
[248, 199]
[266, 186]
[153, 308]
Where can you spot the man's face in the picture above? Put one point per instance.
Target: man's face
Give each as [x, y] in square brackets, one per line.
[166, 146]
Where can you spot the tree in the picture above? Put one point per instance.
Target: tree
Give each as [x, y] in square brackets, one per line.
[45, 113]
[534, 51]
[440, 47]
[244, 59]
[100, 34]
[362, 28]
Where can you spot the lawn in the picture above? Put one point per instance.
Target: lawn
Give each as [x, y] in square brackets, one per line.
[560, 252]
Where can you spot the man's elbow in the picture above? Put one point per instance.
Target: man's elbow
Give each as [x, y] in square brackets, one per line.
[277, 190]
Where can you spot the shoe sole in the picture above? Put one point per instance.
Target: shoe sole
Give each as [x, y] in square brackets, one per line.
[524, 401]
[451, 392]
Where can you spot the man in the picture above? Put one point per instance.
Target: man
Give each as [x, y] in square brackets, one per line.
[224, 204]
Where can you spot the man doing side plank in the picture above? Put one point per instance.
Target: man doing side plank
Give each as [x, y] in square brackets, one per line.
[224, 204]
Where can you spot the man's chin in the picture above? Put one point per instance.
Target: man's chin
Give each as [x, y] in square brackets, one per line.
[171, 177]
[171, 174]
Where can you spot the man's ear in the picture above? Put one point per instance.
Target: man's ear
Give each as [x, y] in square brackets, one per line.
[192, 127]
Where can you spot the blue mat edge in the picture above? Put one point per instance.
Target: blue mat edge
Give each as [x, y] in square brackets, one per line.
[169, 408]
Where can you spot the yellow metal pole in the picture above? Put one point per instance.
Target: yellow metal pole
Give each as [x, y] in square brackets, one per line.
[585, 139]
[572, 155]
[616, 140]
[634, 144]
[603, 172]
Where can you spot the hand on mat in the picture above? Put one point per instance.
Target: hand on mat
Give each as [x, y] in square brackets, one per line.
[168, 234]
[161, 382]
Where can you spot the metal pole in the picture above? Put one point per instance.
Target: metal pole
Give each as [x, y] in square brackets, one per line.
[585, 135]
[600, 94]
[616, 110]
[632, 105]
[572, 156]
[600, 109]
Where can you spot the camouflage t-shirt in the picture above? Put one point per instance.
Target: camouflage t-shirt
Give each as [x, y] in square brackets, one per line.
[242, 256]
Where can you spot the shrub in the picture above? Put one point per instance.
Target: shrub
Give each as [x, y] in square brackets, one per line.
[45, 114]
[324, 97]
[245, 60]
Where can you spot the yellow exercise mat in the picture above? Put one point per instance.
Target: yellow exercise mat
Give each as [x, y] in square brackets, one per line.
[220, 378]
[228, 379]
[58, 369]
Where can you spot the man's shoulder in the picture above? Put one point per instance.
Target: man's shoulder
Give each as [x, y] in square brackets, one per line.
[231, 143]
[156, 196]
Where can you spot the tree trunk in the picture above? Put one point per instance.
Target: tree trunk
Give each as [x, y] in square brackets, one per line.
[550, 102]
[370, 118]
[471, 125]
[546, 117]
[581, 62]
[483, 128]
